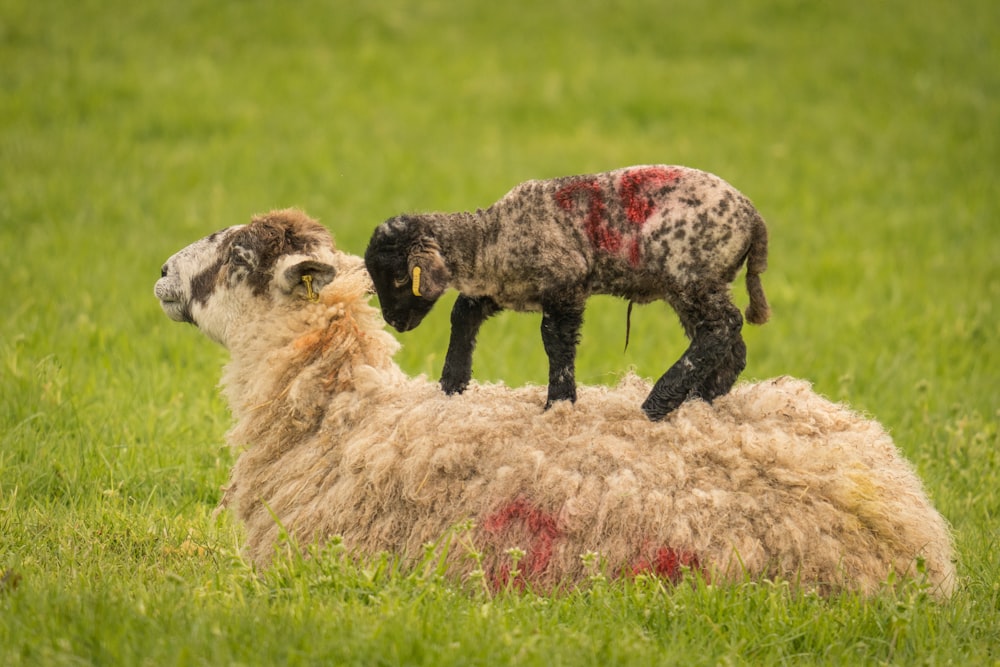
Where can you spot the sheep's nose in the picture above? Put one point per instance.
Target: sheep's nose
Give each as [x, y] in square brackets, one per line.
[163, 271]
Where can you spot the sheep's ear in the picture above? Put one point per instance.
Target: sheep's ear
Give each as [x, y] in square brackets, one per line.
[304, 276]
[429, 274]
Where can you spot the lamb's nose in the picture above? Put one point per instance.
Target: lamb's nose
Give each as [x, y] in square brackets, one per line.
[400, 324]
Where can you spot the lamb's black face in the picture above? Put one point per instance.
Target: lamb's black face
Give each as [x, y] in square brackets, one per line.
[401, 308]
[387, 259]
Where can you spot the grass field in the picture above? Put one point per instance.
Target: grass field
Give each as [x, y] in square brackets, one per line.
[865, 132]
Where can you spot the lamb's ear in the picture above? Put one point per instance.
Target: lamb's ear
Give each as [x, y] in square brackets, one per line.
[305, 276]
[428, 272]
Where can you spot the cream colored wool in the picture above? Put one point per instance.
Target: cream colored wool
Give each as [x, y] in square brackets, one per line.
[771, 480]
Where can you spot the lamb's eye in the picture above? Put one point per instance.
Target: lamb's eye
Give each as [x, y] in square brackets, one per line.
[401, 280]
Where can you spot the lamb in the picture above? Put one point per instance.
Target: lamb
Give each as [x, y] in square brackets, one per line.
[771, 481]
[641, 233]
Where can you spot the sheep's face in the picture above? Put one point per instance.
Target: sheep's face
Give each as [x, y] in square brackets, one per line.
[407, 271]
[226, 277]
[187, 279]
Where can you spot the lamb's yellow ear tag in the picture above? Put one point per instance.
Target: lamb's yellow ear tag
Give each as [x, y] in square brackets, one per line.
[416, 281]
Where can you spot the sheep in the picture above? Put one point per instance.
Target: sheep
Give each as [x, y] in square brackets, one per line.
[770, 481]
[643, 233]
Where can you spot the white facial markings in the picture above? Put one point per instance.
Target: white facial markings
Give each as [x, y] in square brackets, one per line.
[175, 289]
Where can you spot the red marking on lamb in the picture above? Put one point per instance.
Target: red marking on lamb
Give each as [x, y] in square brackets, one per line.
[666, 562]
[541, 525]
[598, 232]
[633, 192]
[634, 251]
[634, 188]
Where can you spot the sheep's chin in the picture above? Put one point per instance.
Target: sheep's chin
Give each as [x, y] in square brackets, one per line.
[174, 310]
[171, 302]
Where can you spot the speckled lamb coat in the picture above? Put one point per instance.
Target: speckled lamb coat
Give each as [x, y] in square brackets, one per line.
[641, 233]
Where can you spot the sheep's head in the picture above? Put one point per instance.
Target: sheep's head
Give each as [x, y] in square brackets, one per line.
[407, 269]
[221, 280]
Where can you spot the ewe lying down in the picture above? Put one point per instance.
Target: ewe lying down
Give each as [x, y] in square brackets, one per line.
[770, 480]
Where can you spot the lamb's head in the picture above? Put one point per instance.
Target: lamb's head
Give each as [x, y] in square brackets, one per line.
[407, 269]
[236, 274]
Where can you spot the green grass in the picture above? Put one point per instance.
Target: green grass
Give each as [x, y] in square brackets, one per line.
[866, 133]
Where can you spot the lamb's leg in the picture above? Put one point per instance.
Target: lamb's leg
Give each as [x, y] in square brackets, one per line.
[722, 379]
[560, 335]
[713, 324]
[467, 316]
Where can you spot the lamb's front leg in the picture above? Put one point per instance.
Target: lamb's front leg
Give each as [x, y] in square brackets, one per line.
[561, 325]
[467, 316]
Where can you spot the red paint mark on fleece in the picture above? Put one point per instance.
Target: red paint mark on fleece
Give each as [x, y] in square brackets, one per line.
[542, 526]
[634, 251]
[666, 562]
[634, 189]
[598, 233]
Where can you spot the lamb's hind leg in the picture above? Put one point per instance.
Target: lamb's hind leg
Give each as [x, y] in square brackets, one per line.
[722, 379]
[467, 316]
[712, 323]
[560, 334]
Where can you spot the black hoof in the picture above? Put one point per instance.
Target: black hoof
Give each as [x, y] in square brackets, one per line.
[552, 399]
[452, 388]
[658, 407]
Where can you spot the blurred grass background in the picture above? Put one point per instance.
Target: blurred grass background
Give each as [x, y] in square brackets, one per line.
[866, 133]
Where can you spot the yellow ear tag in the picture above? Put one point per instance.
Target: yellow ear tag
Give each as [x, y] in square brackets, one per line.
[416, 281]
[310, 294]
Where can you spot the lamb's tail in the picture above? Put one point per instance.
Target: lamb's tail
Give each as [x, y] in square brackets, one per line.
[758, 311]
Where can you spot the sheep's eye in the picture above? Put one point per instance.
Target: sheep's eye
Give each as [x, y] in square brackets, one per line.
[401, 280]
